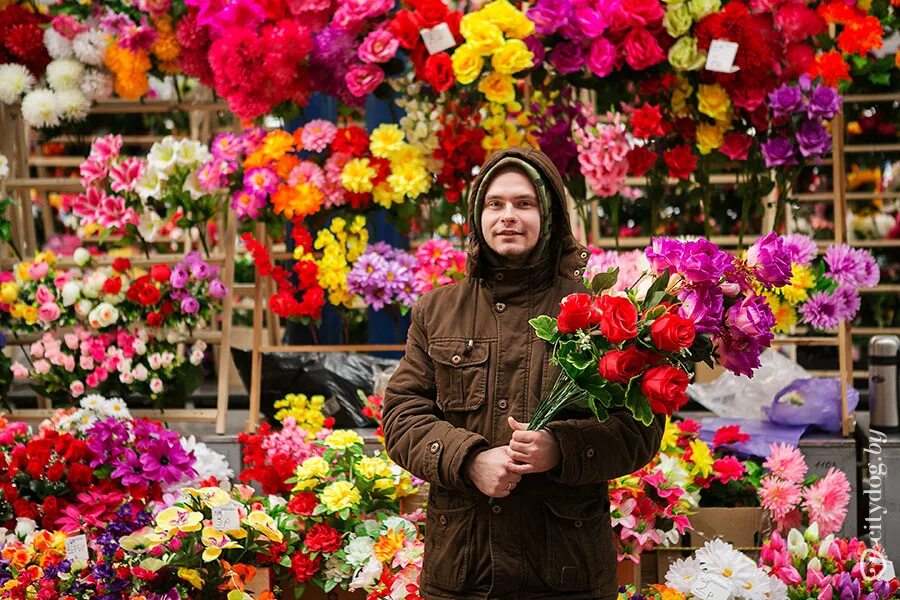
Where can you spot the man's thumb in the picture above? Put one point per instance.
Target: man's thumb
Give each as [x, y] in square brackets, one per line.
[516, 426]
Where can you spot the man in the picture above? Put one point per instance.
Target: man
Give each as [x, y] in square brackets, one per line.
[512, 514]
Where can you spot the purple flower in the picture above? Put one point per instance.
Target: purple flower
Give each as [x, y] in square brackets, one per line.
[851, 266]
[226, 146]
[738, 354]
[704, 305]
[200, 271]
[166, 461]
[801, 249]
[752, 317]
[822, 311]
[568, 57]
[779, 152]
[104, 438]
[190, 305]
[127, 468]
[824, 103]
[179, 277]
[769, 261]
[848, 302]
[533, 43]
[548, 15]
[664, 253]
[785, 100]
[813, 138]
[701, 261]
[217, 289]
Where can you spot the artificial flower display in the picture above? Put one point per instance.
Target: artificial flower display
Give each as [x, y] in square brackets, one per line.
[271, 456]
[435, 69]
[743, 578]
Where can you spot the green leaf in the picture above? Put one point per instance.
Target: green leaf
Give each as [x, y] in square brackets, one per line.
[544, 327]
[880, 78]
[285, 561]
[598, 409]
[657, 290]
[105, 234]
[638, 405]
[595, 385]
[330, 585]
[604, 281]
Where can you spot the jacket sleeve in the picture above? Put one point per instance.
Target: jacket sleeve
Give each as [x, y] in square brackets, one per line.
[594, 452]
[415, 436]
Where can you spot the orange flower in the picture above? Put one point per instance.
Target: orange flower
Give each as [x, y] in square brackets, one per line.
[238, 576]
[897, 58]
[285, 165]
[860, 36]
[18, 555]
[166, 47]
[831, 67]
[388, 545]
[297, 201]
[839, 12]
[130, 71]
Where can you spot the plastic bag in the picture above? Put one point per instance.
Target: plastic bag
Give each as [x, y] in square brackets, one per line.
[815, 401]
[739, 397]
[336, 375]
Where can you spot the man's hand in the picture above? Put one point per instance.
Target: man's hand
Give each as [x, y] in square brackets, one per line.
[531, 451]
[487, 471]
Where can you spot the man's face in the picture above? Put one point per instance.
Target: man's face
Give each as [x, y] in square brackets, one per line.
[511, 216]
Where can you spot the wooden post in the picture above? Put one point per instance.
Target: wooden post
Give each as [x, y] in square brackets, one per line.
[256, 353]
[224, 370]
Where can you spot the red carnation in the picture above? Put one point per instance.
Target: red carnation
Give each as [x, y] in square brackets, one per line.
[303, 503]
[56, 471]
[80, 475]
[303, 568]
[322, 537]
[729, 434]
[646, 121]
[121, 265]
[640, 160]
[681, 161]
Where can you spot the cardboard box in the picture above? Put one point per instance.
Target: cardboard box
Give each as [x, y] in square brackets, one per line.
[742, 527]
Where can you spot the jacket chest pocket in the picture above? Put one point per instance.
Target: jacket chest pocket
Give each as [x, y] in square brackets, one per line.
[573, 531]
[460, 373]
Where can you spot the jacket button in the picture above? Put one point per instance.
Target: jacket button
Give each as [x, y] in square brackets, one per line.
[500, 307]
[502, 404]
[497, 509]
[499, 276]
[434, 447]
[577, 523]
[443, 519]
[589, 452]
[584, 255]
[577, 272]
[456, 359]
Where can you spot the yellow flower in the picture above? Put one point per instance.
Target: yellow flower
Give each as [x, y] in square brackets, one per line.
[343, 439]
[481, 35]
[340, 495]
[709, 137]
[785, 314]
[670, 436]
[372, 467]
[508, 18]
[407, 154]
[22, 271]
[357, 175]
[385, 140]
[46, 256]
[314, 466]
[701, 457]
[175, 519]
[192, 576]
[409, 179]
[9, 291]
[802, 279]
[512, 57]
[215, 541]
[386, 196]
[497, 87]
[210, 496]
[264, 524]
[388, 545]
[713, 101]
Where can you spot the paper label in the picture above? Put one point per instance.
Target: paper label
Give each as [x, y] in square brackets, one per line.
[226, 518]
[77, 549]
[720, 57]
[711, 587]
[438, 38]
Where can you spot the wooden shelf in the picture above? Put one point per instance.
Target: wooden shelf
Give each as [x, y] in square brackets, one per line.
[124, 107]
[876, 243]
[856, 98]
[870, 148]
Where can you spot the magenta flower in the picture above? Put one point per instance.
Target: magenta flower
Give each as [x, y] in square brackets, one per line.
[801, 249]
[247, 205]
[124, 176]
[379, 46]
[128, 469]
[568, 57]
[822, 311]
[752, 317]
[190, 306]
[164, 460]
[227, 147]
[770, 263]
[813, 138]
[778, 152]
[738, 354]
[362, 80]
[261, 181]
[704, 305]
[851, 266]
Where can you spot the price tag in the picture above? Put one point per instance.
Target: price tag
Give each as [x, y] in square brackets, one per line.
[887, 573]
[226, 518]
[720, 57]
[711, 587]
[77, 549]
[438, 38]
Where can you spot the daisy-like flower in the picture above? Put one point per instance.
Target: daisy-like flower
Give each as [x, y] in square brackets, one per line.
[822, 310]
[64, 74]
[90, 47]
[786, 462]
[96, 85]
[317, 135]
[682, 574]
[15, 80]
[386, 140]
[826, 501]
[720, 558]
[779, 496]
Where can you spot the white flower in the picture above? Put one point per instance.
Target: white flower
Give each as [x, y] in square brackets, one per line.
[90, 47]
[15, 80]
[151, 222]
[97, 85]
[93, 285]
[192, 186]
[116, 407]
[207, 462]
[682, 573]
[126, 378]
[190, 152]
[25, 527]
[83, 307]
[155, 361]
[41, 108]
[825, 544]
[797, 546]
[4, 167]
[58, 46]
[359, 550]
[200, 346]
[124, 366]
[720, 558]
[64, 74]
[140, 373]
[73, 105]
[92, 402]
[156, 385]
[398, 523]
[140, 347]
[777, 589]
[757, 587]
[367, 575]
[812, 533]
[167, 359]
[150, 186]
[162, 156]
[196, 358]
[81, 256]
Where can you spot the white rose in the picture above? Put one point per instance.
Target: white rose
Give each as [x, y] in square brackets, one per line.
[81, 256]
[196, 358]
[70, 292]
[93, 285]
[140, 373]
[83, 308]
[156, 385]
[103, 315]
[167, 359]
[126, 378]
[124, 365]
[25, 527]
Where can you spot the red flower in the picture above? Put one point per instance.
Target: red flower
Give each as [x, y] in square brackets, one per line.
[728, 469]
[430, 12]
[619, 322]
[861, 36]
[672, 332]
[303, 503]
[112, 286]
[322, 537]
[121, 265]
[798, 58]
[160, 273]
[831, 67]
[405, 26]
[665, 388]
[56, 471]
[149, 295]
[735, 145]
[646, 121]
[352, 140]
[439, 71]
[640, 160]
[154, 319]
[729, 434]
[620, 366]
[797, 22]
[80, 475]
[681, 161]
[575, 313]
[303, 568]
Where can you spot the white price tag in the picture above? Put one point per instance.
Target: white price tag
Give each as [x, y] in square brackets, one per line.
[226, 518]
[77, 549]
[720, 57]
[709, 586]
[887, 573]
[438, 38]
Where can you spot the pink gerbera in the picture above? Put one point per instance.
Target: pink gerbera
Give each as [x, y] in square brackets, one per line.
[778, 496]
[317, 135]
[826, 501]
[786, 461]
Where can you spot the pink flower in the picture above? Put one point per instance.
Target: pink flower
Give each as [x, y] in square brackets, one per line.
[362, 80]
[92, 380]
[826, 501]
[379, 46]
[42, 366]
[38, 270]
[44, 295]
[48, 312]
[71, 341]
[155, 8]
[778, 496]
[37, 350]
[105, 149]
[247, 205]
[124, 176]
[786, 462]
[728, 468]
[68, 26]
[591, 22]
[602, 57]
[307, 172]
[641, 49]
[213, 176]
[76, 388]
[19, 371]
[87, 204]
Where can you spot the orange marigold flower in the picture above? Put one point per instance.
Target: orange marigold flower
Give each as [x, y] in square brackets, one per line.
[839, 12]
[831, 67]
[297, 201]
[860, 36]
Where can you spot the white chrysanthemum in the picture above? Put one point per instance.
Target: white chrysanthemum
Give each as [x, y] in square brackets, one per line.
[73, 105]
[15, 80]
[97, 85]
[90, 47]
[58, 46]
[64, 74]
[720, 558]
[208, 463]
[4, 167]
[757, 586]
[682, 574]
[41, 108]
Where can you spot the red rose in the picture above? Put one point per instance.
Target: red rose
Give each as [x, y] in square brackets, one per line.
[56, 471]
[166, 308]
[160, 273]
[303, 567]
[575, 313]
[620, 366]
[112, 286]
[430, 12]
[619, 321]
[671, 333]
[149, 295]
[735, 145]
[405, 27]
[681, 161]
[686, 128]
[665, 387]
[640, 160]
[121, 265]
[439, 72]
[304, 503]
[154, 319]
[322, 537]
[646, 121]
[50, 508]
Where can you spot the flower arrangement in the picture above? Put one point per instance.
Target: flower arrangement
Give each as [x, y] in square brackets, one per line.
[433, 69]
[271, 457]
[306, 413]
[91, 409]
[637, 350]
[602, 152]
[859, 33]
[438, 263]
[384, 276]
[341, 245]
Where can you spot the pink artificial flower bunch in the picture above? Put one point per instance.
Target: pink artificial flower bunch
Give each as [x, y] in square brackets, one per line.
[793, 501]
[106, 176]
[438, 263]
[602, 152]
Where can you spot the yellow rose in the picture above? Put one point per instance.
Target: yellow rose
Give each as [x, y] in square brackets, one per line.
[343, 439]
[709, 137]
[9, 291]
[684, 56]
[483, 36]
[512, 57]
[508, 18]
[467, 64]
[340, 495]
[497, 87]
[713, 101]
[30, 314]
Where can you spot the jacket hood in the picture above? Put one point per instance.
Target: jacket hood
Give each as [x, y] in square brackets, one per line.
[557, 249]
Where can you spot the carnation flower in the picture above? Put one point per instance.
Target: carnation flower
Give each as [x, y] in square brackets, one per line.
[801, 249]
[822, 310]
[851, 266]
[15, 80]
[41, 108]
